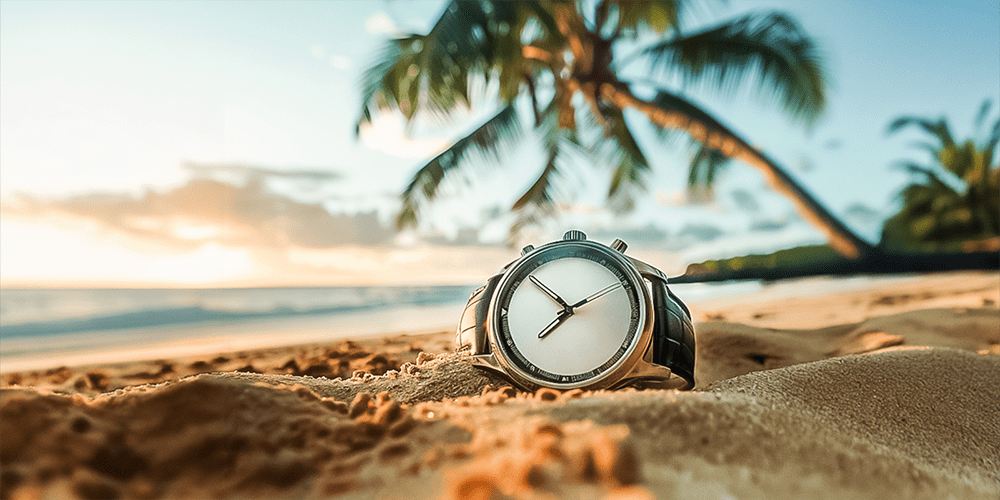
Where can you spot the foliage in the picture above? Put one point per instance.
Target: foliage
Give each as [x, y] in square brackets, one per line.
[956, 198]
[801, 256]
[558, 64]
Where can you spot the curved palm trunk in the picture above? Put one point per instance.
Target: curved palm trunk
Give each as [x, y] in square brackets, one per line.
[705, 129]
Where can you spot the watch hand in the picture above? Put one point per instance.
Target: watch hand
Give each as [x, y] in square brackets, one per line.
[598, 294]
[548, 291]
[560, 318]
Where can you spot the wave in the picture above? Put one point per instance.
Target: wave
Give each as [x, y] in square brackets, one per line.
[168, 316]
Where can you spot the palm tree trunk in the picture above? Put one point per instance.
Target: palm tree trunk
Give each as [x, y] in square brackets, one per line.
[707, 130]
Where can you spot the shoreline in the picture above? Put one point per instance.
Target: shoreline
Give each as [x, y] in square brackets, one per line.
[833, 394]
[271, 333]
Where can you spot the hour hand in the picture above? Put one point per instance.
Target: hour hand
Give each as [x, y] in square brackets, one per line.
[548, 291]
[560, 318]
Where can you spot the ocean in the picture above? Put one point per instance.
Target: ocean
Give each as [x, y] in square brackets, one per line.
[43, 328]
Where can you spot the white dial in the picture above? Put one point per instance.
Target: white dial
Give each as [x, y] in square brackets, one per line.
[568, 314]
[586, 339]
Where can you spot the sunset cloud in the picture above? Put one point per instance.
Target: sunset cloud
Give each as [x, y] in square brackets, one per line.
[205, 211]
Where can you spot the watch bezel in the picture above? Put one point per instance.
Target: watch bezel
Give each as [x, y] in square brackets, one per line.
[606, 379]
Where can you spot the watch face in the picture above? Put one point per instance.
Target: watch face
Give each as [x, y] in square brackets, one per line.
[568, 314]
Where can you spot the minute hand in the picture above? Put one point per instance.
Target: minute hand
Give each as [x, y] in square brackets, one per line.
[548, 291]
[598, 294]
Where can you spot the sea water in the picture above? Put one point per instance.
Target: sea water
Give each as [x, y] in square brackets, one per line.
[40, 327]
[44, 328]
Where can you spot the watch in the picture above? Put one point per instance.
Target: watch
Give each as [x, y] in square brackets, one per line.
[576, 313]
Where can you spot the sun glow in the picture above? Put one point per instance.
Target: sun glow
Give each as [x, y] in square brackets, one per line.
[33, 254]
[65, 251]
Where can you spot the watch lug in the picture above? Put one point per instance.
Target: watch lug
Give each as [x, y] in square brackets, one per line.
[644, 370]
[647, 374]
[487, 361]
[647, 270]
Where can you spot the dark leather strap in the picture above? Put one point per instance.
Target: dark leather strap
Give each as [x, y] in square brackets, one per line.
[673, 334]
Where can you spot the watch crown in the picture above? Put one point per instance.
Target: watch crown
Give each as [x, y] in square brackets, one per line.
[526, 249]
[574, 235]
[619, 245]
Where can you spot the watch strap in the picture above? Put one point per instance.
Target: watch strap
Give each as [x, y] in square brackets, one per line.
[472, 330]
[673, 334]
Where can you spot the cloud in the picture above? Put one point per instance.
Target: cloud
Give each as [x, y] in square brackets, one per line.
[833, 144]
[205, 211]
[254, 172]
[745, 201]
[316, 183]
[340, 62]
[387, 133]
[699, 232]
[381, 24]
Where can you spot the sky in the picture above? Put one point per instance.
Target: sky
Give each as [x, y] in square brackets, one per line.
[212, 143]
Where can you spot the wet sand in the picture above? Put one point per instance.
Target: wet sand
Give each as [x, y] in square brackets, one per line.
[887, 392]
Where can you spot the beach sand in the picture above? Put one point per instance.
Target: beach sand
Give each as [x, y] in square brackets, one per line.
[888, 391]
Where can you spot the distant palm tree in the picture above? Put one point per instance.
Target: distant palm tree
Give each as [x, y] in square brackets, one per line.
[561, 57]
[957, 197]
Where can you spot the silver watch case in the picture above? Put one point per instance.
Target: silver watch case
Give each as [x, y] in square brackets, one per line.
[635, 368]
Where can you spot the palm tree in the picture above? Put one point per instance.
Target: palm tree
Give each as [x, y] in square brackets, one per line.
[957, 197]
[706, 164]
[558, 62]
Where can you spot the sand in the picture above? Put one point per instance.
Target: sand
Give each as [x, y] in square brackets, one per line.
[886, 392]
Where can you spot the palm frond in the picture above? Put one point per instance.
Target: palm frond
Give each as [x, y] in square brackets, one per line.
[628, 180]
[373, 79]
[537, 203]
[543, 14]
[540, 192]
[706, 163]
[491, 138]
[984, 109]
[431, 72]
[772, 46]
[659, 16]
[930, 175]
[938, 129]
[927, 146]
[990, 141]
[994, 138]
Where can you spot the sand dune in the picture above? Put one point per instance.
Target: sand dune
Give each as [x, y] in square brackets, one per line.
[726, 350]
[902, 403]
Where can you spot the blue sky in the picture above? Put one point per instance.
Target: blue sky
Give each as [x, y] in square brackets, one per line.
[115, 96]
